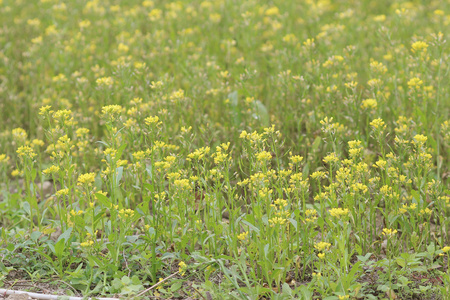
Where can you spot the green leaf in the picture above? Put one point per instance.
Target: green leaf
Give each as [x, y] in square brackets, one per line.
[416, 195]
[307, 294]
[261, 113]
[35, 235]
[149, 187]
[251, 226]
[26, 207]
[120, 151]
[176, 286]
[59, 248]
[116, 284]
[287, 289]
[293, 222]
[149, 170]
[401, 262]
[233, 97]
[65, 235]
[103, 199]
[354, 269]
[364, 258]
[119, 172]
[316, 143]
[126, 280]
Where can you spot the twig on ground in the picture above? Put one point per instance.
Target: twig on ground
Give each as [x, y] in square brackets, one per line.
[155, 285]
[203, 297]
[73, 289]
[47, 297]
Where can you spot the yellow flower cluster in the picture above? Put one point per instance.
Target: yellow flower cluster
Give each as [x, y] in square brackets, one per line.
[419, 46]
[378, 124]
[329, 127]
[4, 158]
[389, 232]
[369, 104]
[89, 240]
[243, 236]
[153, 121]
[86, 179]
[263, 156]
[339, 212]
[311, 215]
[199, 154]
[126, 213]
[26, 152]
[182, 268]
[322, 247]
[331, 158]
[105, 82]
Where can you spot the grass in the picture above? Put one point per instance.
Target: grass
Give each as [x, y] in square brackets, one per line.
[226, 149]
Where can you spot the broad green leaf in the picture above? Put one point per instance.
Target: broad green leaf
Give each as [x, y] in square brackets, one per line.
[261, 113]
[176, 286]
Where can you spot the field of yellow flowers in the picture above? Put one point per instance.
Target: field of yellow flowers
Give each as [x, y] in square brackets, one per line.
[225, 149]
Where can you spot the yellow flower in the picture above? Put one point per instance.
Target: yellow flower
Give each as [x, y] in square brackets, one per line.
[45, 109]
[215, 18]
[19, 134]
[318, 175]
[182, 268]
[3, 158]
[126, 213]
[273, 11]
[182, 184]
[420, 139]
[321, 246]
[155, 14]
[199, 154]
[295, 159]
[37, 143]
[26, 151]
[378, 124]
[263, 156]
[381, 163]
[87, 244]
[389, 232]
[339, 212]
[152, 120]
[311, 215]
[105, 81]
[331, 158]
[419, 46]
[139, 155]
[84, 24]
[16, 173]
[379, 18]
[277, 221]
[415, 83]
[87, 179]
[123, 48]
[243, 236]
[321, 255]
[111, 111]
[369, 104]
[62, 192]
